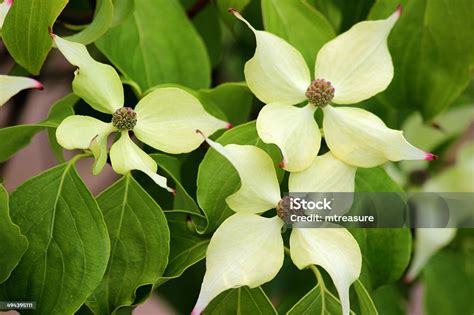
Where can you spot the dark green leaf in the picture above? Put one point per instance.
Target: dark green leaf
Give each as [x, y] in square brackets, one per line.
[234, 99]
[367, 306]
[448, 290]
[224, 5]
[343, 14]
[68, 242]
[25, 31]
[390, 299]
[208, 25]
[139, 239]
[217, 178]
[15, 138]
[14, 244]
[300, 24]
[431, 48]
[187, 247]
[241, 301]
[317, 301]
[104, 12]
[165, 46]
[385, 254]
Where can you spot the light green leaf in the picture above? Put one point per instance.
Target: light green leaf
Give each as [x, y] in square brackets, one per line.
[104, 11]
[217, 178]
[187, 247]
[448, 289]
[385, 252]
[432, 67]
[139, 239]
[241, 301]
[122, 9]
[14, 244]
[367, 306]
[165, 46]
[317, 301]
[25, 31]
[300, 24]
[390, 299]
[234, 99]
[68, 242]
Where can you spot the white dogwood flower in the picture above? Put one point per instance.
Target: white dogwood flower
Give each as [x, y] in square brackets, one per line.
[351, 68]
[165, 119]
[247, 249]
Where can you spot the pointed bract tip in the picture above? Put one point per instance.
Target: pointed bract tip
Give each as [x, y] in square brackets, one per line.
[399, 10]
[282, 164]
[38, 85]
[196, 312]
[229, 126]
[9, 2]
[50, 30]
[430, 156]
[234, 12]
[173, 191]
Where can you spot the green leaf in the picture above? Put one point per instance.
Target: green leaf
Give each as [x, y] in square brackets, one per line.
[234, 99]
[25, 31]
[317, 301]
[375, 180]
[60, 110]
[389, 298]
[385, 254]
[104, 12]
[217, 178]
[208, 25]
[122, 9]
[241, 301]
[431, 47]
[344, 14]
[187, 247]
[14, 244]
[448, 289]
[139, 239]
[17, 137]
[300, 24]
[367, 306]
[68, 242]
[165, 46]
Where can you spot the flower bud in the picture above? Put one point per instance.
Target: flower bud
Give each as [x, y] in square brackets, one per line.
[320, 92]
[124, 118]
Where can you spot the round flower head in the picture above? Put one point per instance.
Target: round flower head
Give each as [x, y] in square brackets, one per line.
[247, 249]
[351, 68]
[165, 119]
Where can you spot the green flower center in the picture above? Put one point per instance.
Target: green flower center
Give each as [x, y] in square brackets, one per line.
[124, 118]
[320, 92]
